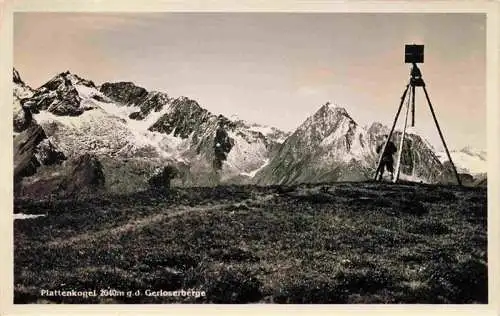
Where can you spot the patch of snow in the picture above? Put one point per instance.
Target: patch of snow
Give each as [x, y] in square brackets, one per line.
[152, 118]
[475, 152]
[86, 92]
[334, 106]
[169, 146]
[124, 112]
[72, 121]
[27, 216]
[337, 134]
[234, 117]
[246, 155]
[280, 140]
[72, 77]
[119, 111]
[336, 144]
[270, 132]
[263, 129]
[95, 131]
[466, 162]
[22, 91]
[252, 173]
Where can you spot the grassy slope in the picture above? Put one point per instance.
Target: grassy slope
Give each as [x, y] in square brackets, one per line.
[341, 243]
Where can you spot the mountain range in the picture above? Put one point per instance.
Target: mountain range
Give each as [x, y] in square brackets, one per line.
[133, 132]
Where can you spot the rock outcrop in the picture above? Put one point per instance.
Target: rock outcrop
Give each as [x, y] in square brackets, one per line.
[161, 179]
[22, 116]
[77, 177]
[85, 174]
[32, 149]
[482, 182]
[126, 93]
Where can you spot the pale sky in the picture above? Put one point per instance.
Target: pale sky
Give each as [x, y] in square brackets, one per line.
[274, 68]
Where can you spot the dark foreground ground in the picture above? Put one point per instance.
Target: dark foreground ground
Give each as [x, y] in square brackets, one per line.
[341, 243]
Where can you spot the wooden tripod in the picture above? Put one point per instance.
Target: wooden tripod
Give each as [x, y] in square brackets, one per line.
[415, 81]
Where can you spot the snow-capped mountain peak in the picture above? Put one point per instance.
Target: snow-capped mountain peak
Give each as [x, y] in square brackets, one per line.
[66, 79]
[329, 120]
[65, 94]
[334, 107]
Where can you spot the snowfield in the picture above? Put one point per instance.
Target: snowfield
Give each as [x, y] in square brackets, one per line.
[470, 161]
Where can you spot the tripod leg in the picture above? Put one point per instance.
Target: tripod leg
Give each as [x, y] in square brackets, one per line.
[442, 137]
[392, 130]
[398, 164]
[412, 105]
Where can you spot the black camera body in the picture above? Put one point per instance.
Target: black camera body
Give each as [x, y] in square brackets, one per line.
[414, 54]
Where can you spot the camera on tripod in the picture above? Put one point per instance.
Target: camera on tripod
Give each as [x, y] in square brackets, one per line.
[414, 54]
